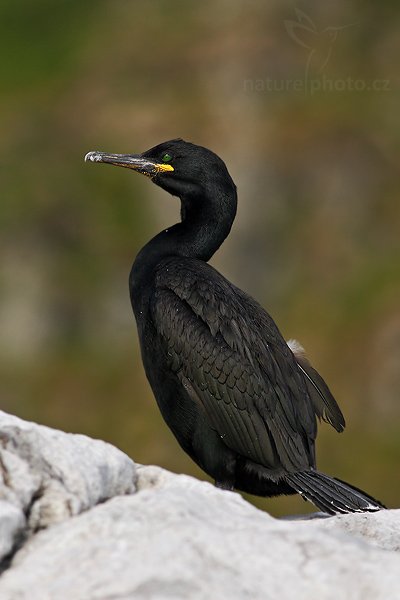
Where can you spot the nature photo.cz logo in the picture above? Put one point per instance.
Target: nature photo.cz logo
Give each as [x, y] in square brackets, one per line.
[318, 44]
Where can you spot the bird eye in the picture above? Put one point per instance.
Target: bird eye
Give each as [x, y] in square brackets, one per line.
[166, 157]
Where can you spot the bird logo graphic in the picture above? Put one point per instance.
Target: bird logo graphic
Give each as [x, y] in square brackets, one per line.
[319, 42]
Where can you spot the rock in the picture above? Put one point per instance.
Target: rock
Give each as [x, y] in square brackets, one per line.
[47, 476]
[383, 531]
[166, 536]
[12, 525]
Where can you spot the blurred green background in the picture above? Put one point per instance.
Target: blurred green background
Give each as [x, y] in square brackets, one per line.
[302, 101]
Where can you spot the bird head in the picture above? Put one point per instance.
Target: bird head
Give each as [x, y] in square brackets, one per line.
[179, 167]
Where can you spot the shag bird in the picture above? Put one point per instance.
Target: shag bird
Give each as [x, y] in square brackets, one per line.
[241, 401]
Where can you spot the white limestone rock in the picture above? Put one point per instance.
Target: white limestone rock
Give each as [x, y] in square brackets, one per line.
[12, 526]
[47, 476]
[174, 537]
[382, 531]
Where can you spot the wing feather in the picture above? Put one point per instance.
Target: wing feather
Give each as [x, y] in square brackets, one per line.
[227, 351]
[324, 403]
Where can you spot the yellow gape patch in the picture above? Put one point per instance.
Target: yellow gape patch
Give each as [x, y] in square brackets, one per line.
[163, 168]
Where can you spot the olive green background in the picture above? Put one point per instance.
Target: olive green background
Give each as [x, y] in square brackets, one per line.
[302, 102]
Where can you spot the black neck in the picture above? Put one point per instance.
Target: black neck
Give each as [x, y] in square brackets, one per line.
[206, 222]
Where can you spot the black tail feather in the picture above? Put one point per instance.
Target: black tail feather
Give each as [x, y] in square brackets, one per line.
[331, 495]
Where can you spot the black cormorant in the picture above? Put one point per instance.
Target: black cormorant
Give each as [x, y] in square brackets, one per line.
[240, 401]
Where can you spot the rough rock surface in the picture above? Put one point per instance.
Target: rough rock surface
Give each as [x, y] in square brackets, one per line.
[78, 520]
[47, 476]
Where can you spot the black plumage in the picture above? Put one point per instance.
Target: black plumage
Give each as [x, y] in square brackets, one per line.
[240, 401]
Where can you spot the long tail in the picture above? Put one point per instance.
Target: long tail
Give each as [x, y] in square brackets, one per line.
[331, 495]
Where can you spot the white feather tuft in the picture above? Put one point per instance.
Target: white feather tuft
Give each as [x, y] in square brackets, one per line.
[296, 348]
